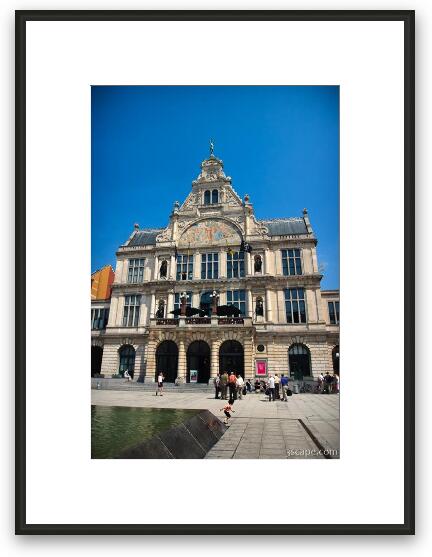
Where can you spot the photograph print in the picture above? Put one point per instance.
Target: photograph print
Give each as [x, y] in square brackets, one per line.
[215, 272]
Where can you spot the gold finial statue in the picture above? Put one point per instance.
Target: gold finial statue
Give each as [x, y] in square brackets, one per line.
[211, 147]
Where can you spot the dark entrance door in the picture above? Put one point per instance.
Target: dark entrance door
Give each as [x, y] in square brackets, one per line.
[335, 358]
[166, 360]
[299, 361]
[198, 357]
[231, 357]
[96, 360]
[127, 359]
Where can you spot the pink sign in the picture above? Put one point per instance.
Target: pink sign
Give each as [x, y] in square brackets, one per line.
[261, 367]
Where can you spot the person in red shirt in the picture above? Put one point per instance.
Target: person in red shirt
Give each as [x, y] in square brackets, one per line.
[227, 410]
[232, 386]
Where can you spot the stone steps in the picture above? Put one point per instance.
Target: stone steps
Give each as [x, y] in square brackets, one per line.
[122, 385]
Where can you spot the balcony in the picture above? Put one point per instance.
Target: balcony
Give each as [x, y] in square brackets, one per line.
[202, 322]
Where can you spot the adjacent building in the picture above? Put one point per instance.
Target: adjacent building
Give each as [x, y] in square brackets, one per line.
[215, 254]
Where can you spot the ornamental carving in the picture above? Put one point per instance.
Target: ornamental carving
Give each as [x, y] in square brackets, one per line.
[211, 232]
[164, 236]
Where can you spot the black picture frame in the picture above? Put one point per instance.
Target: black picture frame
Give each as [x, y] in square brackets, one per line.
[21, 18]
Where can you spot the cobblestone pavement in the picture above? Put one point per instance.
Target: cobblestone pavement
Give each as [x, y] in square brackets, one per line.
[259, 429]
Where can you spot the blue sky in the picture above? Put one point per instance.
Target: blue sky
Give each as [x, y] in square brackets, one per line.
[279, 144]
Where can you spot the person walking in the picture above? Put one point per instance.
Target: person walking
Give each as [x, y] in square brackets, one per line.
[284, 387]
[160, 381]
[232, 380]
[239, 386]
[271, 388]
[320, 382]
[223, 384]
[277, 384]
[216, 383]
[248, 386]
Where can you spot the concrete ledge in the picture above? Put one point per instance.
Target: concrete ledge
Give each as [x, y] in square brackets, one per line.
[192, 439]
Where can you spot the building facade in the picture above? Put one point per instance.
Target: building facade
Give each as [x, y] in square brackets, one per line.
[175, 288]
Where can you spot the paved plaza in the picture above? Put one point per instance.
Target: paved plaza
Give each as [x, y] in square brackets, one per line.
[307, 426]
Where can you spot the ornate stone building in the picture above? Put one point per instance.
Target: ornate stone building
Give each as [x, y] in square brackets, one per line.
[175, 287]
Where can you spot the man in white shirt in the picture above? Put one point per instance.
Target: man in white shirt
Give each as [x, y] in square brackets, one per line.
[271, 388]
[239, 385]
[160, 384]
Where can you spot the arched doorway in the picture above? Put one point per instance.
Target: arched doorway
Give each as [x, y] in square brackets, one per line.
[198, 358]
[299, 361]
[335, 359]
[96, 360]
[127, 359]
[231, 357]
[166, 360]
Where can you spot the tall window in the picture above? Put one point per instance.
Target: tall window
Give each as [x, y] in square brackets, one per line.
[334, 312]
[131, 311]
[235, 264]
[99, 318]
[136, 270]
[237, 298]
[177, 300]
[184, 267]
[210, 265]
[207, 197]
[215, 196]
[295, 305]
[291, 262]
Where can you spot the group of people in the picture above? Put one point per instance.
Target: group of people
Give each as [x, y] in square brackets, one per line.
[328, 383]
[232, 384]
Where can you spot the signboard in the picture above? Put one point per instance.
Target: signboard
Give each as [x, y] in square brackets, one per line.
[194, 376]
[261, 368]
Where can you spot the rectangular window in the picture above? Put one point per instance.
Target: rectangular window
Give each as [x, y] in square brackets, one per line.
[99, 318]
[291, 262]
[295, 305]
[237, 298]
[177, 300]
[334, 312]
[184, 267]
[131, 311]
[235, 264]
[210, 266]
[136, 270]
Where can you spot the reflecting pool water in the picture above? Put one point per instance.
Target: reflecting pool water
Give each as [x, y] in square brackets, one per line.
[114, 428]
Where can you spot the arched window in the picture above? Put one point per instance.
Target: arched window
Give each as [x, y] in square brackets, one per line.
[299, 361]
[215, 196]
[127, 359]
[207, 197]
[231, 357]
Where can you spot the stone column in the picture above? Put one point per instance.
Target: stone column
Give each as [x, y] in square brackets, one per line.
[113, 311]
[248, 264]
[150, 375]
[156, 268]
[269, 312]
[267, 261]
[173, 267]
[214, 367]
[170, 305]
[249, 371]
[152, 305]
[223, 264]
[249, 308]
[197, 265]
[124, 274]
[181, 367]
[314, 260]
